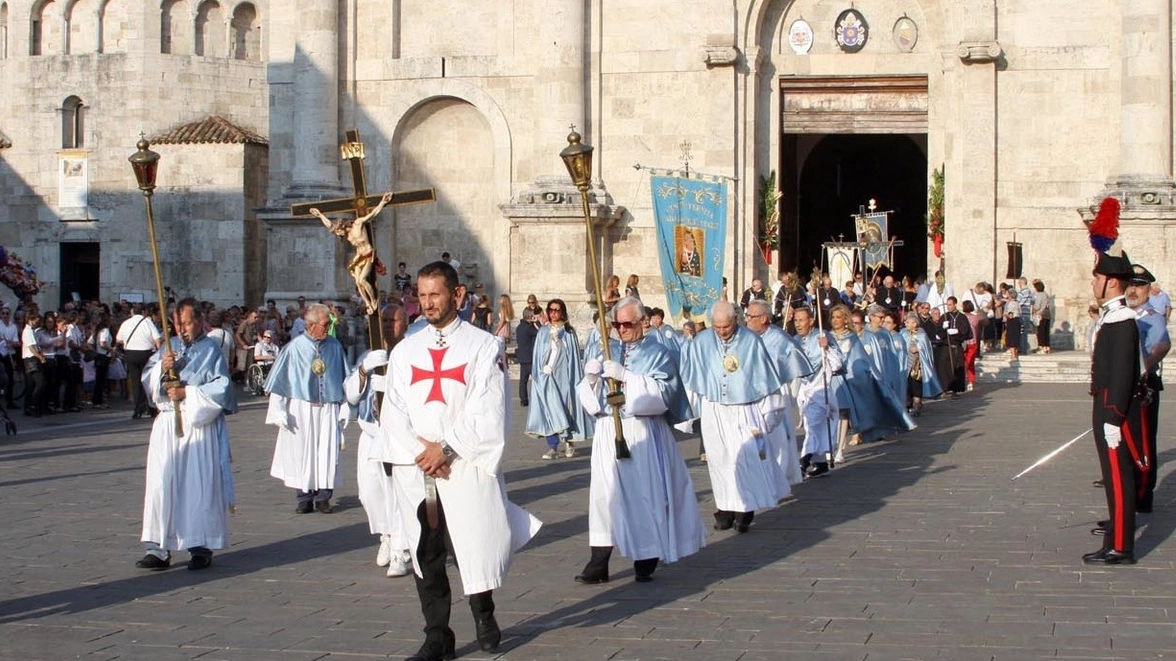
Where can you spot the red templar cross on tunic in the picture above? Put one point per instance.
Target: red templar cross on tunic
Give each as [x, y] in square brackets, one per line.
[453, 373]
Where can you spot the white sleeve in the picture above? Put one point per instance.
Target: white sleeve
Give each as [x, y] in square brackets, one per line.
[479, 434]
[643, 395]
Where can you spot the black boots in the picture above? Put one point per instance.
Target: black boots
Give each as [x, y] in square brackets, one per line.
[486, 627]
[643, 570]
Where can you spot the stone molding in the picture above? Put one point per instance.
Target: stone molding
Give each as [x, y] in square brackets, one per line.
[720, 56]
[554, 199]
[979, 52]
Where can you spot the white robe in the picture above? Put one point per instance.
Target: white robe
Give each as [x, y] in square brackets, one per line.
[819, 407]
[373, 485]
[185, 504]
[740, 480]
[455, 393]
[310, 436]
[644, 505]
[782, 439]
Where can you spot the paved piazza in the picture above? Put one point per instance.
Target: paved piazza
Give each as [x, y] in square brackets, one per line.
[916, 549]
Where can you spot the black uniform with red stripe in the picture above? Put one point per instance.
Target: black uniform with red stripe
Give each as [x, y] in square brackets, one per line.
[1114, 383]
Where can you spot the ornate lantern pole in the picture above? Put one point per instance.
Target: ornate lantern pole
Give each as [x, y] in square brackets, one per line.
[146, 164]
[577, 158]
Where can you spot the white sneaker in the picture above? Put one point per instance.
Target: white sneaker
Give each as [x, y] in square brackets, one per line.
[570, 451]
[384, 555]
[838, 459]
[400, 564]
[550, 454]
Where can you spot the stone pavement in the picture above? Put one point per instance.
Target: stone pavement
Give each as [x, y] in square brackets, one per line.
[915, 549]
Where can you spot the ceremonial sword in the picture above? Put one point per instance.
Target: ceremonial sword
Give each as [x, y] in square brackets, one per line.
[1054, 453]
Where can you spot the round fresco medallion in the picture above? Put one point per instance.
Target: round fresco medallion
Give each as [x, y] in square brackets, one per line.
[906, 34]
[800, 37]
[851, 31]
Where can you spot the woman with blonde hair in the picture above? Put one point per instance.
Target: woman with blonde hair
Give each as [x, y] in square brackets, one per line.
[612, 292]
[631, 287]
[505, 316]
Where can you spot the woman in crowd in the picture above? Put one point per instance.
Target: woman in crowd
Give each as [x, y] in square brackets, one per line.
[505, 318]
[1012, 314]
[631, 286]
[1041, 312]
[482, 313]
[101, 343]
[971, 346]
[922, 382]
[612, 292]
[34, 341]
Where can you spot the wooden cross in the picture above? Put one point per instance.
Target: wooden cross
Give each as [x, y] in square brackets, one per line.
[359, 205]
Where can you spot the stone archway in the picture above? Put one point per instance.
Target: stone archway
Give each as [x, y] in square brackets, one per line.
[447, 143]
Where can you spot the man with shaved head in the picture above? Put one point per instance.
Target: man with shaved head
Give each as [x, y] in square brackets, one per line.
[741, 404]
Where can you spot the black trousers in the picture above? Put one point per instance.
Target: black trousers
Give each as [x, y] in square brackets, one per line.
[1119, 471]
[1147, 481]
[9, 373]
[135, 362]
[34, 398]
[433, 589]
[525, 384]
[101, 370]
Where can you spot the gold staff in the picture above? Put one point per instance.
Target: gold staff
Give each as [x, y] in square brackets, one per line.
[146, 164]
[577, 158]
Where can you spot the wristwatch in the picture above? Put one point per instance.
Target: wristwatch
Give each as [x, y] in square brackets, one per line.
[450, 453]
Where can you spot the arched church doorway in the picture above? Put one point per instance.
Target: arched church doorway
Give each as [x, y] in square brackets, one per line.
[834, 176]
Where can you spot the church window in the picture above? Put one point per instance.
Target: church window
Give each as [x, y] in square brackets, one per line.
[45, 28]
[72, 123]
[246, 31]
[112, 27]
[3, 30]
[81, 29]
[210, 31]
[175, 36]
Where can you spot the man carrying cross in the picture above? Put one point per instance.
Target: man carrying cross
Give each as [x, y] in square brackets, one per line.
[444, 413]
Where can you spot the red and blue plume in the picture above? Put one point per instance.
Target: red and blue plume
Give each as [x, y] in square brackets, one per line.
[1104, 229]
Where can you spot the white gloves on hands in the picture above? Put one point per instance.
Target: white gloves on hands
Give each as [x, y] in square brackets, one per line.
[1113, 434]
[373, 359]
[547, 369]
[593, 367]
[614, 370]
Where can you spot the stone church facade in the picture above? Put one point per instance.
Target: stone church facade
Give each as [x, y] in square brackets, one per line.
[1033, 110]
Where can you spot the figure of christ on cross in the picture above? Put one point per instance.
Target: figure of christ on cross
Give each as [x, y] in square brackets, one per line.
[356, 234]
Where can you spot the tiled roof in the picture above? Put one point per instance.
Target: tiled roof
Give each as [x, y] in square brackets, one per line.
[4, 141]
[210, 130]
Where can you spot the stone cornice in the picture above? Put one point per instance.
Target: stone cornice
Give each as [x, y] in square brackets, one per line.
[555, 200]
[720, 56]
[979, 52]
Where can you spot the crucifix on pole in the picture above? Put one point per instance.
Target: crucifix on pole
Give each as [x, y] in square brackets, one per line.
[357, 231]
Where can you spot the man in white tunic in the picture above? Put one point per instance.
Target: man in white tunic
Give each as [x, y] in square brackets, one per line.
[645, 504]
[739, 386]
[374, 475]
[444, 413]
[816, 398]
[307, 405]
[189, 480]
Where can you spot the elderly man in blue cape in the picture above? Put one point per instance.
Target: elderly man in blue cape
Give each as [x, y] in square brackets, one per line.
[189, 480]
[645, 504]
[308, 406]
[555, 412]
[791, 364]
[741, 405]
[817, 397]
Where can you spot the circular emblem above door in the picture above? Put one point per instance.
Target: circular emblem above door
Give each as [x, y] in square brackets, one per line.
[851, 31]
[906, 34]
[800, 37]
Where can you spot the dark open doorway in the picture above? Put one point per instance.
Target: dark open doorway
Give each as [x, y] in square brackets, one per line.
[829, 177]
[79, 270]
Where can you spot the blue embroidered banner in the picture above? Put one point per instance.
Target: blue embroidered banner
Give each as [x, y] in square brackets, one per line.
[691, 220]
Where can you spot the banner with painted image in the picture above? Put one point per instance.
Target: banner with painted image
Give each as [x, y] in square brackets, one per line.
[691, 220]
[873, 234]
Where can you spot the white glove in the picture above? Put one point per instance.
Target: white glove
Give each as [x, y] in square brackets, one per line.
[593, 367]
[373, 359]
[547, 369]
[614, 370]
[1113, 435]
[377, 382]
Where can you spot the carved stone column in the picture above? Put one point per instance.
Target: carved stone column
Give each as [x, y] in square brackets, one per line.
[549, 256]
[316, 111]
[561, 74]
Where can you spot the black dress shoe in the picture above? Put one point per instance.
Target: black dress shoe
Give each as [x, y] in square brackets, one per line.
[643, 569]
[590, 578]
[200, 561]
[435, 650]
[818, 469]
[1103, 523]
[742, 527]
[1098, 484]
[323, 506]
[152, 562]
[489, 635]
[1110, 557]
[724, 520]
[1095, 554]
[304, 507]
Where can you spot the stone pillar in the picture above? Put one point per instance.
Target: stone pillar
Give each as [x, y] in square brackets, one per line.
[316, 91]
[1144, 174]
[560, 75]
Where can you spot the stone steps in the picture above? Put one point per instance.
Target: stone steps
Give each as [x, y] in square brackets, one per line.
[1058, 367]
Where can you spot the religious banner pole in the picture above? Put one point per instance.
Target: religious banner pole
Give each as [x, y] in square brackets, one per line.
[146, 165]
[577, 158]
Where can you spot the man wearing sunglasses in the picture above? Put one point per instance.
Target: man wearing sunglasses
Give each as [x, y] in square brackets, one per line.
[739, 387]
[644, 505]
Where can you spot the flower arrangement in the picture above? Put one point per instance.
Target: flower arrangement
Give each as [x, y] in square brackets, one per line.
[769, 213]
[935, 211]
[18, 275]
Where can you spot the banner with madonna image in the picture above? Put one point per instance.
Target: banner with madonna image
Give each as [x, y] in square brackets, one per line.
[691, 220]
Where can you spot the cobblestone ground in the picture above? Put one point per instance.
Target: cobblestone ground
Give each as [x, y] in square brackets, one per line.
[919, 548]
